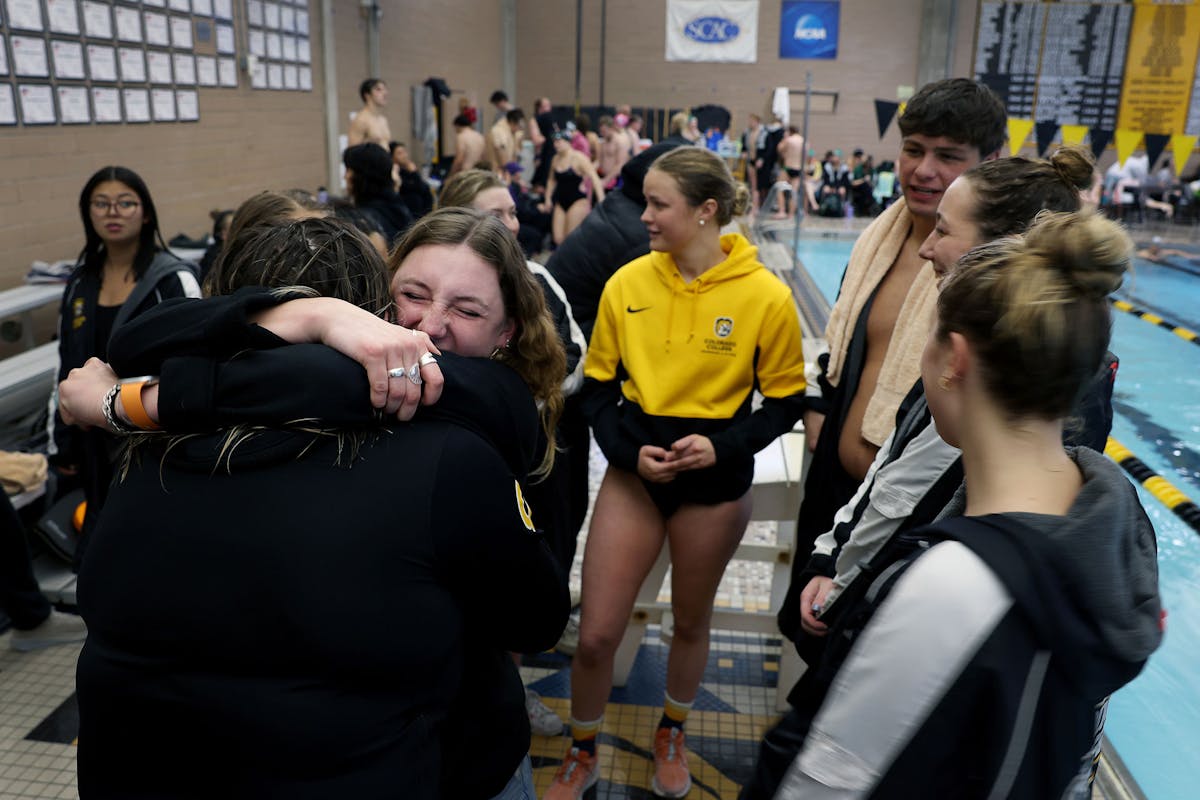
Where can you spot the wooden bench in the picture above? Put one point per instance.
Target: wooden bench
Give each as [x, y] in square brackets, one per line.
[779, 471]
[22, 300]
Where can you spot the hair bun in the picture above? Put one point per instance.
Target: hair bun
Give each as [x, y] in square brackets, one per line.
[1075, 164]
[1091, 252]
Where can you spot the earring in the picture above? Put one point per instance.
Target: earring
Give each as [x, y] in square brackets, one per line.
[701, 223]
[943, 383]
[500, 352]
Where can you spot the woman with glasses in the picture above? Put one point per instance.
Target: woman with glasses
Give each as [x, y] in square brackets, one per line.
[123, 270]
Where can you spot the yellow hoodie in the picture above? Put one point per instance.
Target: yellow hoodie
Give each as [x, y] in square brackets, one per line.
[691, 354]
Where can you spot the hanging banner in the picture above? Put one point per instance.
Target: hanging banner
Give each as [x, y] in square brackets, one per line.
[712, 30]
[808, 29]
[1159, 68]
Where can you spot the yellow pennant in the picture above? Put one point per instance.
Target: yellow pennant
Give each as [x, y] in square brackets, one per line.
[1127, 142]
[1073, 134]
[1018, 132]
[1182, 146]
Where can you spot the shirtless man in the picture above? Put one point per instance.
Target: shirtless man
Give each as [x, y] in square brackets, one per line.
[791, 153]
[369, 124]
[614, 151]
[503, 143]
[947, 127]
[468, 146]
[502, 104]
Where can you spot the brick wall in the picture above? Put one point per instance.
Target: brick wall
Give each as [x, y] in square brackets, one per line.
[877, 53]
[250, 140]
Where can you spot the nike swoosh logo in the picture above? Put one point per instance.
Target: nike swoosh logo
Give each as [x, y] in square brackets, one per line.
[633, 310]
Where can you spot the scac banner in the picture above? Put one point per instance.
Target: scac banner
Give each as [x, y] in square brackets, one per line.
[808, 29]
[712, 30]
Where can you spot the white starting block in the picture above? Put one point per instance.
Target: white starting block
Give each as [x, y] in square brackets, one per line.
[779, 471]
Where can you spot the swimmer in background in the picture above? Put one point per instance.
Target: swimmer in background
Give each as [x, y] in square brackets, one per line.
[1158, 254]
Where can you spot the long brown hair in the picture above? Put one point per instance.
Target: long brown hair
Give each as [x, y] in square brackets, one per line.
[535, 351]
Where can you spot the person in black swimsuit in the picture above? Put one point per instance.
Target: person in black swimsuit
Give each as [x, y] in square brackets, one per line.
[567, 189]
[567, 193]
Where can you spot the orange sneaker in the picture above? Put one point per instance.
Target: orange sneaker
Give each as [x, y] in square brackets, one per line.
[671, 776]
[577, 774]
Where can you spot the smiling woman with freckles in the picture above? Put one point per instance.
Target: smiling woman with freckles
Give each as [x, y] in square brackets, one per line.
[683, 338]
[124, 269]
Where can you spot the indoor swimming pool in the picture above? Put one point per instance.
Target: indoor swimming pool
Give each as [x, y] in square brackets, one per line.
[1153, 721]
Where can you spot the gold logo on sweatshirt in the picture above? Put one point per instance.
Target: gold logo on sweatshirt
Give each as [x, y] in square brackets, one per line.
[523, 507]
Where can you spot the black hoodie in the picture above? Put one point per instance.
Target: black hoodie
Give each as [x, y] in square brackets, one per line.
[219, 369]
[986, 671]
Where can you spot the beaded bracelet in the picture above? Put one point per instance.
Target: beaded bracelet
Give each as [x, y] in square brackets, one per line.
[108, 406]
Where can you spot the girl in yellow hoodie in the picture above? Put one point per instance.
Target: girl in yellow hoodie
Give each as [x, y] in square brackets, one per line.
[683, 338]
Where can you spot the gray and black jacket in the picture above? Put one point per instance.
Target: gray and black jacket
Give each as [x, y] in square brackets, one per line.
[986, 670]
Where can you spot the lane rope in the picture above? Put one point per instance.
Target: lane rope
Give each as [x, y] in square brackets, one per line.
[1154, 483]
[1155, 319]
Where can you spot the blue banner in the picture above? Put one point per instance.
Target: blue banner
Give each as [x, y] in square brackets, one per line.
[808, 29]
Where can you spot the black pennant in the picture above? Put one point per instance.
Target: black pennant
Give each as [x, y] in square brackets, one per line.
[1155, 144]
[1044, 132]
[1100, 139]
[885, 111]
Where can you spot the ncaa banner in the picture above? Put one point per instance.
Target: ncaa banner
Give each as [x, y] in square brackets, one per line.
[712, 30]
[808, 29]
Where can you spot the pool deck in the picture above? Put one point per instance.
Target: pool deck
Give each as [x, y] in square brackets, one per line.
[39, 721]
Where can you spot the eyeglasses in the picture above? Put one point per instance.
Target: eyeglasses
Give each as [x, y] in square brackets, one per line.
[121, 206]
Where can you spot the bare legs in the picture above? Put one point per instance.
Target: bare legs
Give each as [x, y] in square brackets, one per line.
[626, 535]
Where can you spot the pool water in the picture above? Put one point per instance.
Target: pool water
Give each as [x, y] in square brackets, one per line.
[1153, 721]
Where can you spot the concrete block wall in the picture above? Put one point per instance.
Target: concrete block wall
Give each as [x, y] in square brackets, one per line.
[877, 54]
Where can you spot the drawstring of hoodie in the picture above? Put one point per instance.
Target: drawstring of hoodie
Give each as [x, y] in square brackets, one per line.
[694, 289]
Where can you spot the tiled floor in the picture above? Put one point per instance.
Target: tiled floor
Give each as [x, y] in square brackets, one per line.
[37, 722]
[726, 723]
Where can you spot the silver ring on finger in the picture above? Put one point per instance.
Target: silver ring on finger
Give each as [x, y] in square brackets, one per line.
[414, 374]
[398, 372]
[426, 360]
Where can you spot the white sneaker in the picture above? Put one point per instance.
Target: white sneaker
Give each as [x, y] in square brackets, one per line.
[58, 628]
[568, 643]
[542, 719]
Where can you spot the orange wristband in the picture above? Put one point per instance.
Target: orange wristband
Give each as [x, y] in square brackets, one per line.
[131, 400]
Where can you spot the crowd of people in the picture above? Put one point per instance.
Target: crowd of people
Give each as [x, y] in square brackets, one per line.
[330, 503]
